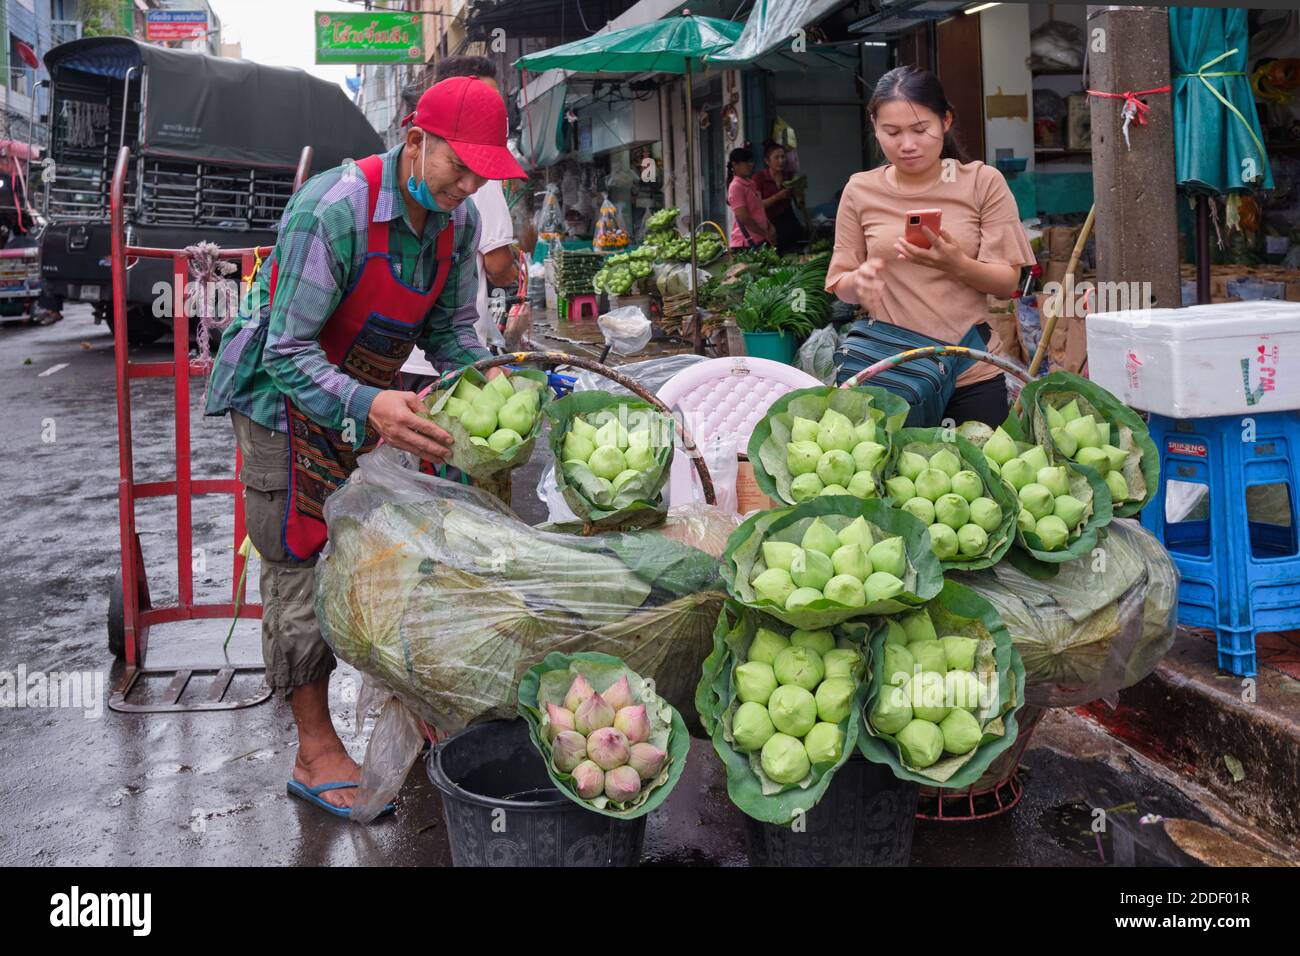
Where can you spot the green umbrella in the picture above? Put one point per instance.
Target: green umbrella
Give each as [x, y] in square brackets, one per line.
[1217, 144]
[671, 45]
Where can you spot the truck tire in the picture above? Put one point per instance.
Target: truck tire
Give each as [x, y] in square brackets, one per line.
[141, 327]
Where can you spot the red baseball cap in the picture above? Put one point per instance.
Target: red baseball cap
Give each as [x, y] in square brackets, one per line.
[471, 117]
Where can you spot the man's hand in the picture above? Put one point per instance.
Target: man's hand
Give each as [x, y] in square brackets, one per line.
[869, 283]
[394, 415]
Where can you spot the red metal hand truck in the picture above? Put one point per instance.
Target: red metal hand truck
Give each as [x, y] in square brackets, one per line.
[131, 611]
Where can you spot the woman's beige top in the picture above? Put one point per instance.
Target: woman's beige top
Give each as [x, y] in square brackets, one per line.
[979, 213]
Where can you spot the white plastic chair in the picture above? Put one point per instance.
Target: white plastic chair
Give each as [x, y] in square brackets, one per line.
[724, 396]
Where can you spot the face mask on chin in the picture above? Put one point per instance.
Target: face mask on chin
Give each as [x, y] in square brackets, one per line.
[420, 192]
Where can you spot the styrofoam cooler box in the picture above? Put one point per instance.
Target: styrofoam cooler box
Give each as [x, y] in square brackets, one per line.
[1204, 360]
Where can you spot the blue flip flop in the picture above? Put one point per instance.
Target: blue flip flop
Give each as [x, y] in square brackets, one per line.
[313, 796]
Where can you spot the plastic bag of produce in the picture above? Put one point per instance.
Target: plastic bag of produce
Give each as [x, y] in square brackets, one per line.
[1094, 628]
[626, 330]
[812, 438]
[443, 594]
[817, 354]
[829, 560]
[495, 423]
[610, 232]
[945, 687]
[549, 221]
[782, 709]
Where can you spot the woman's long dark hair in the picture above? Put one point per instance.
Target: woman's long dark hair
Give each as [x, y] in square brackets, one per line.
[738, 155]
[923, 88]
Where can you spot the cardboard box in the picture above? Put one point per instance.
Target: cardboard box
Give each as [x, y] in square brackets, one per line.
[748, 496]
[1006, 330]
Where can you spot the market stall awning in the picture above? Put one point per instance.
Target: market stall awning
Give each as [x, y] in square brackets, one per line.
[1217, 142]
[768, 39]
[541, 126]
[670, 45]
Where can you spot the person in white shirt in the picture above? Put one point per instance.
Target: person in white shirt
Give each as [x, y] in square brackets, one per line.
[496, 253]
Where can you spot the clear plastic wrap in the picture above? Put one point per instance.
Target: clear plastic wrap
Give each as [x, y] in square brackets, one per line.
[626, 330]
[817, 355]
[1100, 624]
[611, 234]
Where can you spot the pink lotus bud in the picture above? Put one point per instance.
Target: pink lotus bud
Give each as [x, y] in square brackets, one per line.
[622, 784]
[634, 723]
[589, 780]
[646, 759]
[579, 691]
[570, 749]
[618, 695]
[593, 714]
[558, 719]
[607, 748]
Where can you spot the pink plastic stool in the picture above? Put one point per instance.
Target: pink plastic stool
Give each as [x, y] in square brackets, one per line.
[583, 307]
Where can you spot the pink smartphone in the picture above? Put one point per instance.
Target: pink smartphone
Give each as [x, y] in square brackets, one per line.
[918, 218]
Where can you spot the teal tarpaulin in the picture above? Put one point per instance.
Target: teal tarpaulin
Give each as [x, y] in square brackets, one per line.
[1218, 147]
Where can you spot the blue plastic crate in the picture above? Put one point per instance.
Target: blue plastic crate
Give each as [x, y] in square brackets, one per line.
[1226, 511]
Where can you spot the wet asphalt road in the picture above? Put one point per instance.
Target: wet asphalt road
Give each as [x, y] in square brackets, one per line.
[208, 788]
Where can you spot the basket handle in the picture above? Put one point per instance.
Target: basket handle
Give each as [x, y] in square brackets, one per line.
[911, 355]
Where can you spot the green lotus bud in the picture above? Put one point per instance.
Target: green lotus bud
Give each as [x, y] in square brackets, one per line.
[607, 462]
[622, 784]
[1017, 473]
[858, 532]
[557, 719]
[578, 691]
[1103, 434]
[925, 692]
[1069, 509]
[845, 589]
[784, 760]
[881, 586]
[1053, 532]
[801, 457]
[1084, 431]
[612, 434]
[994, 468]
[593, 714]
[1115, 456]
[641, 457]
[646, 759]
[607, 748]
[503, 439]
[465, 390]
[581, 427]
[488, 399]
[801, 598]
[868, 455]
[633, 723]
[766, 645]
[1055, 479]
[900, 665]
[929, 655]
[577, 448]
[800, 666]
[811, 569]
[1064, 442]
[1036, 456]
[1070, 411]
[479, 421]
[823, 642]
[891, 712]
[774, 585]
[889, 556]
[972, 540]
[1118, 486]
[842, 662]
[863, 485]
[967, 484]
[1025, 521]
[481, 442]
[961, 732]
[568, 750]
[755, 682]
[806, 486]
[819, 537]
[895, 634]
[517, 414]
[618, 695]
[824, 743]
[793, 710]
[946, 461]
[1001, 448]
[933, 484]
[959, 652]
[803, 429]
[455, 407]
[986, 513]
[1054, 417]
[962, 690]
[920, 508]
[588, 780]
[830, 490]
[943, 541]
[501, 385]
[910, 464]
[977, 433]
[919, 626]
[835, 468]
[777, 554]
[834, 431]
[1094, 458]
[865, 431]
[1037, 500]
[921, 743]
[835, 699]
[640, 438]
[900, 489]
[751, 727]
[623, 477]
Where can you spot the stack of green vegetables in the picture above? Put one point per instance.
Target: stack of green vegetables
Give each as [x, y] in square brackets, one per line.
[790, 299]
[574, 270]
[622, 270]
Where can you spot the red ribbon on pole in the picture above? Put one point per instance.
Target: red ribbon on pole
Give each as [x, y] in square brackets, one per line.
[1131, 102]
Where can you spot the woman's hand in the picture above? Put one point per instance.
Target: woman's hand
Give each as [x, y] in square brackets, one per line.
[869, 283]
[944, 254]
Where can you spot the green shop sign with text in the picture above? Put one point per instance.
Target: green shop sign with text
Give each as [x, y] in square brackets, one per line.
[369, 37]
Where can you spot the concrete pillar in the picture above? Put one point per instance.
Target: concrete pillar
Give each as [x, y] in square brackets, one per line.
[1133, 188]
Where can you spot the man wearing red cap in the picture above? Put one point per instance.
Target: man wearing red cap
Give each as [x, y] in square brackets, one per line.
[371, 259]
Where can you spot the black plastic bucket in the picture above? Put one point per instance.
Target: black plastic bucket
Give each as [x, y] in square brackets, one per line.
[502, 809]
[864, 818]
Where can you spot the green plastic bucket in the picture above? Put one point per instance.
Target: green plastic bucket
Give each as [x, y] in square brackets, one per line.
[777, 346]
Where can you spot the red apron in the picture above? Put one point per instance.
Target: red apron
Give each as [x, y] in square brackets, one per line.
[369, 336]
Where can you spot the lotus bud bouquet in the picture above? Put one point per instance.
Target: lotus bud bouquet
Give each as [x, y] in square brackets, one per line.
[494, 423]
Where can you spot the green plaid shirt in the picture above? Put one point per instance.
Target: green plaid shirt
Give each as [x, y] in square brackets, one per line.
[271, 351]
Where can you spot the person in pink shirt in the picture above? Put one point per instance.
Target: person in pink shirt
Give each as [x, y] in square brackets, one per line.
[749, 223]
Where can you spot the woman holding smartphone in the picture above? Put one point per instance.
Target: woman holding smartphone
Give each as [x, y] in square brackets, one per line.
[978, 249]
